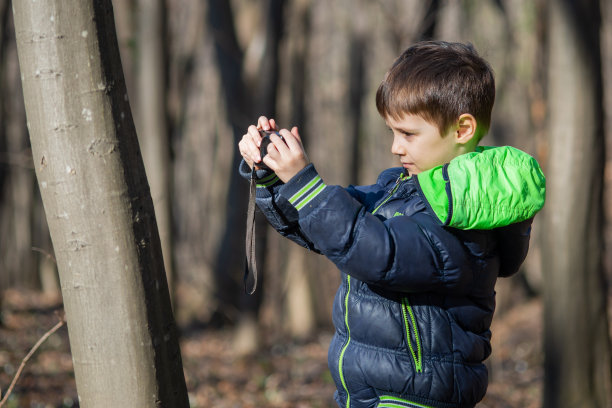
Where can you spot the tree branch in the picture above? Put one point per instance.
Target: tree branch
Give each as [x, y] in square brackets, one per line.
[28, 356]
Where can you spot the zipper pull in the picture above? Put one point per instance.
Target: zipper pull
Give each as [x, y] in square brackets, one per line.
[397, 182]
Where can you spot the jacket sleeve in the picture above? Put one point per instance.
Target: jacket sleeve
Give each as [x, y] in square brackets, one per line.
[513, 242]
[404, 253]
[282, 217]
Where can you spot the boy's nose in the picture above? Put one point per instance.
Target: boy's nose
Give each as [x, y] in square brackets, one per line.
[396, 147]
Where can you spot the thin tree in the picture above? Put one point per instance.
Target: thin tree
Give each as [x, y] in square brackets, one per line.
[152, 121]
[17, 262]
[576, 340]
[97, 203]
[245, 99]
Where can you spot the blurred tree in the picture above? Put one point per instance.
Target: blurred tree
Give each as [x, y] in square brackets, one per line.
[4, 13]
[100, 213]
[21, 233]
[126, 23]
[290, 279]
[576, 337]
[151, 118]
[17, 262]
[606, 47]
[249, 83]
[203, 153]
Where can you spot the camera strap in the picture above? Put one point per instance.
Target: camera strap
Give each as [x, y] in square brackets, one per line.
[250, 269]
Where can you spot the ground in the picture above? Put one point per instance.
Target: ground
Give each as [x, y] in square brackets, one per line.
[288, 375]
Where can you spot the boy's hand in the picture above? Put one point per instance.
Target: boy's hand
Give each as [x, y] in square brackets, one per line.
[285, 157]
[249, 145]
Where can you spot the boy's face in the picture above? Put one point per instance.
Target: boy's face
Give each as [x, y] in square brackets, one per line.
[419, 144]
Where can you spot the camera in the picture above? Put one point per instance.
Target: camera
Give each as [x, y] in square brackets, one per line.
[263, 148]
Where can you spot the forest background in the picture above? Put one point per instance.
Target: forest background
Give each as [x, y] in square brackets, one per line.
[199, 72]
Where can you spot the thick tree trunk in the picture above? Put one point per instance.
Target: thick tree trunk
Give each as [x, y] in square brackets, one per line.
[99, 209]
[576, 339]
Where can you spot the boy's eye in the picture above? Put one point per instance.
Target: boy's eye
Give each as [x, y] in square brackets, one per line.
[401, 132]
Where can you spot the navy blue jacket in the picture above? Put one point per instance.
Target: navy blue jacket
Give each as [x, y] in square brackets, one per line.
[413, 312]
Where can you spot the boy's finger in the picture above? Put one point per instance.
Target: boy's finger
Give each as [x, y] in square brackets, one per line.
[255, 135]
[245, 150]
[251, 145]
[265, 123]
[262, 123]
[280, 144]
[292, 140]
[295, 132]
[270, 162]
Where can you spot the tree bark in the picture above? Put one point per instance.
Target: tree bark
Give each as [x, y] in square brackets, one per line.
[576, 340]
[99, 209]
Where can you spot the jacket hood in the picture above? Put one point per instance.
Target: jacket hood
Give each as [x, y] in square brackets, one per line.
[490, 188]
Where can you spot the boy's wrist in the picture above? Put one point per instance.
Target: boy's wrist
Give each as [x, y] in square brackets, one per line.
[304, 189]
[266, 180]
[245, 171]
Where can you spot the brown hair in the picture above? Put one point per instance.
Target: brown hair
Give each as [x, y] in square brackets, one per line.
[439, 81]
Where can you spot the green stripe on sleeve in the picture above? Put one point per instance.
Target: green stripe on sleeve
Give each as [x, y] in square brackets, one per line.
[304, 189]
[265, 182]
[310, 197]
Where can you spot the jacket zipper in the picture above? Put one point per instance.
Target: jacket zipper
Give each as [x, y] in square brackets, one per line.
[412, 331]
[348, 330]
[391, 192]
[407, 312]
[346, 298]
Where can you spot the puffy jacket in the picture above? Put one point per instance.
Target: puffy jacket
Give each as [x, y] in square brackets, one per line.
[419, 257]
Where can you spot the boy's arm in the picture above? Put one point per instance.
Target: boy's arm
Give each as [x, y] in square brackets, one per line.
[410, 254]
[281, 217]
[406, 253]
[285, 156]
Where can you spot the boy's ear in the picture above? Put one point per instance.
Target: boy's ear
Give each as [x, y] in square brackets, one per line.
[466, 128]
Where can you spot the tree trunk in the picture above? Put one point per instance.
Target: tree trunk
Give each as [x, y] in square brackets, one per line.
[125, 16]
[99, 209]
[228, 266]
[17, 261]
[577, 347]
[152, 123]
[244, 104]
[606, 34]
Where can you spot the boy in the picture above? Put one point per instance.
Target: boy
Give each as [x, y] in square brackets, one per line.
[420, 250]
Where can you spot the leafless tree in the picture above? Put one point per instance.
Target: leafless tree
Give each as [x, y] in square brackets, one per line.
[98, 205]
[576, 337]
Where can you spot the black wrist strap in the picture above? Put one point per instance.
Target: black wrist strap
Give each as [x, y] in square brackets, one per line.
[250, 269]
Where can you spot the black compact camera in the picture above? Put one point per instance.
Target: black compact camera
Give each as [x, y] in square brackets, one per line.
[263, 148]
